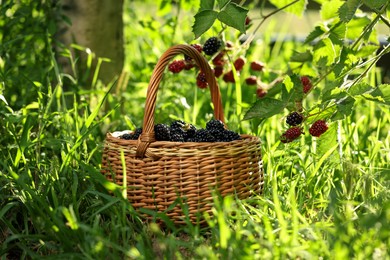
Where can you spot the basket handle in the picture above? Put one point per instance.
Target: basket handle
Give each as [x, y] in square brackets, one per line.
[147, 135]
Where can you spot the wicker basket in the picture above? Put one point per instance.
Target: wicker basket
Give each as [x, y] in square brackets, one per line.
[157, 173]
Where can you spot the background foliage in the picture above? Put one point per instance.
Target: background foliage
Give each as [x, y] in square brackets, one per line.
[324, 197]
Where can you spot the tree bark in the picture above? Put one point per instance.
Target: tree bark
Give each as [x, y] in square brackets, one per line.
[97, 25]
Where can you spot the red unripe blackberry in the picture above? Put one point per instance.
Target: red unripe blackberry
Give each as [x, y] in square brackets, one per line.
[251, 80]
[239, 63]
[294, 119]
[218, 60]
[260, 92]
[218, 71]
[318, 128]
[306, 82]
[247, 20]
[176, 66]
[198, 47]
[229, 77]
[201, 81]
[257, 66]
[291, 134]
[212, 45]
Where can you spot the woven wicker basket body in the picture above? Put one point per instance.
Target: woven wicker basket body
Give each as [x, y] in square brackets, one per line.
[157, 173]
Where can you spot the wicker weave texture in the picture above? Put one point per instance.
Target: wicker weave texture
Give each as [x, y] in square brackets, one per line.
[157, 173]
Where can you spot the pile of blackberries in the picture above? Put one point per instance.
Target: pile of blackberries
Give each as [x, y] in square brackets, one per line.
[180, 131]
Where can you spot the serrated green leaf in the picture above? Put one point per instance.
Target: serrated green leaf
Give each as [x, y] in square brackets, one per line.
[297, 8]
[348, 10]
[359, 89]
[265, 108]
[301, 56]
[344, 108]
[317, 32]
[223, 3]
[375, 4]
[337, 33]
[324, 51]
[234, 15]
[381, 94]
[206, 5]
[329, 9]
[327, 140]
[203, 21]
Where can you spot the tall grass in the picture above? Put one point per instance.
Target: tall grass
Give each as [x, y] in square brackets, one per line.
[323, 198]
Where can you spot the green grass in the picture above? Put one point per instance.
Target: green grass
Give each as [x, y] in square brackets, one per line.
[323, 198]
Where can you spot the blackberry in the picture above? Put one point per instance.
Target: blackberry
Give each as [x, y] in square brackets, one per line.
[203, 135]
[215, 124]
[177, 124]
[257, 66]
[218, 71]
[306, 82]
[126, 136]
[260, 92]
[251, 80]
[198, 47]
[176, 66]
[162, 132]
[201, 80]
[229, 136]
[189, 132]
[229, 77]
[294, 119]
[177, 136]
[291, 134]
[212, 45]
[239, 63]
[137, 133]
[318, 128]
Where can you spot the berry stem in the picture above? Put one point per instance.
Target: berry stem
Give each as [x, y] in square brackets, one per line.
[265, 17]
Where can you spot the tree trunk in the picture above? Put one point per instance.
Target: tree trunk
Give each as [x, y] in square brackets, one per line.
[97, 25]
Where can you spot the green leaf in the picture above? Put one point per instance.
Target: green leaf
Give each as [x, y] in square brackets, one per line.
[348, 10]
[375, 4]
[359, 89]
[297, 8]
[329, 9]
[327, 141]
[317, 32]
[264, 108]
[301, 56]
[223, 3]
[324, 49]
[206, 5]
[344, 108]
[203, 21]
[381, 94]
[234, 15]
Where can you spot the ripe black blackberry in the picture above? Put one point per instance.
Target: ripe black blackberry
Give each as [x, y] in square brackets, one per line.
[162, 132]
[189, 131]
[177, 136]
[229, 136]
[177, 124]
[294, 119]
[212, 45]
[137, 133]
[203, 135]
[215, 124]
[126, 136]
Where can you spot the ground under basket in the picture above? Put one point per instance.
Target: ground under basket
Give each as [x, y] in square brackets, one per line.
[159, 174]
